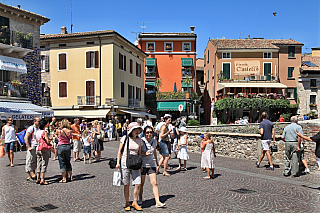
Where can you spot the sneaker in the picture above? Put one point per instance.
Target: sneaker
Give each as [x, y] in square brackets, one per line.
[160, 205]
[307, 171]
[257, 165]
[270, 168]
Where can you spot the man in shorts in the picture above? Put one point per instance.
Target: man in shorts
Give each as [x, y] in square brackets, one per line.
[8, 132]
[267, 133]
[76, 136]
[32, 144]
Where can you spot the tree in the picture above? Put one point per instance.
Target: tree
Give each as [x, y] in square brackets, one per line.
[187, 81]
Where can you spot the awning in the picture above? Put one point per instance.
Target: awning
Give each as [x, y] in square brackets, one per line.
[12, 64]
[17, 114]
[98, 113]
[170, 106]
[187, 85]
[150, 62]
[45, 112]
[187, 62]
[150, 84]
[252, 85]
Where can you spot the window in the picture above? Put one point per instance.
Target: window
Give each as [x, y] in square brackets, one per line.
[204, 61]
[168, 46]
[313, 83]
[92, 59]
[138, 93]
[267, 55]
[291, 51]
[226, 71]
[208, 76]
[291, 92]
[44, 63]
[267, 70]
[150, 46]
[131, 66]
[226, 55]
[208, 57]
[63, 89]
[122, 89]
[138, 69]
[130, 92]
[313, 99]
[122, 62]
[290, 72]
[5, 30]
[151, 69]
[186, 46]
[62, 61]
[90, 42]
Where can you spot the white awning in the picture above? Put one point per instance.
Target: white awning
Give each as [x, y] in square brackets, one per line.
[12, 64]
[17, 114]
[138, 114]
[252, 85]
[45, 112]
[98, 113]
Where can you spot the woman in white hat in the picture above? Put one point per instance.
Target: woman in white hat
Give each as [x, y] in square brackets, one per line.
[182, 148]
[135, 143]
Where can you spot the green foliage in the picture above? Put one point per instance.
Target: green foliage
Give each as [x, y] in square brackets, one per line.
[286, 116]
[194, 96]
[171, 95]
[193, 123]
[247, 103]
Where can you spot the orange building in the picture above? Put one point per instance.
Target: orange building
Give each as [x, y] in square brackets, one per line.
[172, 60]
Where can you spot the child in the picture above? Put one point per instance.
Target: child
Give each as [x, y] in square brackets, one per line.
[182, 148]
[202, 140]
[208, 155]
[87, 140]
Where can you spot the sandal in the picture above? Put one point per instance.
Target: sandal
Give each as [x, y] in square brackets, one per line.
[44, 183]
[136, 207]
[169, 167]
[63, 181]
[29, 179]
[37, 181]
[127, 208]
[166, 174]
[206, 178]
[177, 169]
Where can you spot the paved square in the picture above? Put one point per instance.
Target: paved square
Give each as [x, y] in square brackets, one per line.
[184, 191]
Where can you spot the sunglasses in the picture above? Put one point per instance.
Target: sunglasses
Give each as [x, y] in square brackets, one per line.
[10, 120]
[149, 132]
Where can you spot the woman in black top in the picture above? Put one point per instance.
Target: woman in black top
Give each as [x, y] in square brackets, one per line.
[315, 138]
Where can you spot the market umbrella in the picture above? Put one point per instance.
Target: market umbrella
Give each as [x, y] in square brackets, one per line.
[175, 87]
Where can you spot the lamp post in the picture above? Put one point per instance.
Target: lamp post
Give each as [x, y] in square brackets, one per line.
[111, 102]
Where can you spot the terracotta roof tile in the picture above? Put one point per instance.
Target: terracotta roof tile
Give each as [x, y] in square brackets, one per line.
[49, 36]
[166, 34]
[251, 43]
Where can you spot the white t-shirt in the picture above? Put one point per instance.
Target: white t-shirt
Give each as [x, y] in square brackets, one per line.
[86, 140]
[33, 130]
[38, 134]
[110, 125]
[9, 134]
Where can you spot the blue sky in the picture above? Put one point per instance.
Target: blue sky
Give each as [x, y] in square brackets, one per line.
[295, 19]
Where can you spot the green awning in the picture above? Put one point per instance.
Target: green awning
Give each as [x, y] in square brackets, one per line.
[170, 106]
[187, 62]
[150, 62]
[186, 85]
[150, 84]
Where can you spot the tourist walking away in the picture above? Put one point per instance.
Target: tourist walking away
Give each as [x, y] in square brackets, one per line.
[315, 138]
[87, 140]
[165, 146]
[97, 143]
[9, 133]
[117, 127]
[182, 148]
[31, 143]
[64, 151]
[202, 141]
[149, 164]
[43, 153]
[267, 133]
[208, 155]
[76, 136]
[110, 130]
[131, 145]
[292, 149]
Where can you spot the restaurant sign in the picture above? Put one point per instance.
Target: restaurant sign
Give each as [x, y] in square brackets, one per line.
[247, 67]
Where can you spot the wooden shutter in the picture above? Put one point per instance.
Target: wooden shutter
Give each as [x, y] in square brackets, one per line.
[90, 88]
[226, 71]
[286, 91]
[96, 59]
[289, 72]
[88, 61]
[62, 61]
[137, 68]
[131, 64]
[47, 58]
[120, 61]
[62, 89]
[125, 63]
[295, 95]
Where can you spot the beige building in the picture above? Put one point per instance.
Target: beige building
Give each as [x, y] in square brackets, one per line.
[91, 71]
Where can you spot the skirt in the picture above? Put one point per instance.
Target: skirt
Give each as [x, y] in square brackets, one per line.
[183, 153]
[97, 144]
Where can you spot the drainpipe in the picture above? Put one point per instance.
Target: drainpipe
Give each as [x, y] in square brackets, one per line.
[100, 69]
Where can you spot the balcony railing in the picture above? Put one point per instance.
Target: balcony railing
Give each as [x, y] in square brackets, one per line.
[16, 38]
[13, 90]
[132, 102]
[248, 78]
[88, 100]
[251, 95]
[151, 74]
[46, 101]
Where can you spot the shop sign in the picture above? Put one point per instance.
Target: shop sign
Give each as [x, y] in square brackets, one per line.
[247, 67]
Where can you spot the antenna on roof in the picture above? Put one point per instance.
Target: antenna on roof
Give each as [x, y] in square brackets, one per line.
[240, 34]
[71, 14]
[143, 26]
[136, 41]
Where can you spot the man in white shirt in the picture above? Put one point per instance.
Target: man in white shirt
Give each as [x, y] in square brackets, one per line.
[8, 132]
[31, 143]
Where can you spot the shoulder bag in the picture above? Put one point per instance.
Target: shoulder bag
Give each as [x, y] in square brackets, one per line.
[134, 162]
[43, 146]
[101, 135]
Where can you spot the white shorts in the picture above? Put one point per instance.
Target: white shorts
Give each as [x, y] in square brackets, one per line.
[125, 175]
[265, 144]
[76, 146]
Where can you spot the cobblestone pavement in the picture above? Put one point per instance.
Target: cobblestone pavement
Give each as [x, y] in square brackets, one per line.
[185, 191]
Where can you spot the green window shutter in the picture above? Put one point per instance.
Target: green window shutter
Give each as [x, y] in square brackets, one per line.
[295, 95]
[291, 51]
[289, 72]
[267, 70]
[226, 71]
[286, 92]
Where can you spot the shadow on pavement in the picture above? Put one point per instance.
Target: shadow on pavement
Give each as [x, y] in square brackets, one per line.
[174, 171]
[57, 178]
[152, 202]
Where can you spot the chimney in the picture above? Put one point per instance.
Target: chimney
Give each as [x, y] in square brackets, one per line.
[63, 30]
[248, 36]
[192, 29]
[19, 6]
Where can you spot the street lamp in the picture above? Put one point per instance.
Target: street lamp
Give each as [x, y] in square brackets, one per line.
[112, 102]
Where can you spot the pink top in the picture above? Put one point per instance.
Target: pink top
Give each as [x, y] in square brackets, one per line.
[63, 139]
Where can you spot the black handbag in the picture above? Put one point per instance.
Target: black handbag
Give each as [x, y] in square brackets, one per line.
[274, 148]
[134, 162]
[113, 163]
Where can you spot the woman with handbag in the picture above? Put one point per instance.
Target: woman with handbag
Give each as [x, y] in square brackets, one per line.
[129, 154]
[97, 145]
[315, 138]
[43, 152]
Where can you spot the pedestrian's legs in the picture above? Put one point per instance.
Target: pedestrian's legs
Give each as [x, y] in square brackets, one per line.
[143, 178]
[295, 160]
[74, 156]
[84, 158]
[55, 154]
[166, 161]
[136, 192]
[11, 155]
[179, 164]
[269, 157]
[305, 164]
[287, 158]
[155, 188]
[208, 172]
[185, 164]
[261, 156]
[89, 157]
[126, 194]
[212, 173]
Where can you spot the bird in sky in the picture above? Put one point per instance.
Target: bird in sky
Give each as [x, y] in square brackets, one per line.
[275, 13]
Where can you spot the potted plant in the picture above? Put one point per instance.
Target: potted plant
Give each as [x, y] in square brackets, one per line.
[150, 47]
[168, 47]
[186, 47]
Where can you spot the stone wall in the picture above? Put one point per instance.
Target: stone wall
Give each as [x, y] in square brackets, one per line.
[234, 143]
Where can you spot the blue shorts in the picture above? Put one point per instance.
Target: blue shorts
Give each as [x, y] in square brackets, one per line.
[87, 150]
[164, 145]
[9, 146]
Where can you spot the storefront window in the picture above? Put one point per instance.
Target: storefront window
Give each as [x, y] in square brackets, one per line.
[11, 84]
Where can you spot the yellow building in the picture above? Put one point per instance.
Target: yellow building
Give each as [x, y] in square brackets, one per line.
[91, 71]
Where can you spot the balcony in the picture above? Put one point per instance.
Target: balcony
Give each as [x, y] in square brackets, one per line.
[251, 95]
[151, 75]
[132, 102]
[247, 78]
[171, 95]
[16, 38]
[46, 101]
[88, 100]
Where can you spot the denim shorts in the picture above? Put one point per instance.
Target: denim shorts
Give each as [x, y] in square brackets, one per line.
[9, 146]
[164, 145]
[87, 150]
